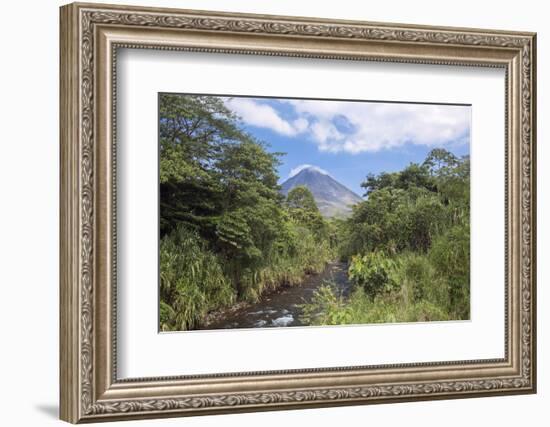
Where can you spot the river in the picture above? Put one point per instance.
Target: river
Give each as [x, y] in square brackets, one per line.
[280, 308]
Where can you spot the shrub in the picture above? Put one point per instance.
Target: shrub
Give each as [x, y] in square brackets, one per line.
[373, 272]
[326, 308]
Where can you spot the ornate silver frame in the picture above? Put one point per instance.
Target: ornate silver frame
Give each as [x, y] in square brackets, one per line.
[90, 36]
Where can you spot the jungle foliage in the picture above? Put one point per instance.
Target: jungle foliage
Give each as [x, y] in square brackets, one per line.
[227, 234]
[408, 247]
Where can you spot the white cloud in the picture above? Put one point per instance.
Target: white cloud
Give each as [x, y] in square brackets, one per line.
[377, 126]
[300, 124]
[300, 168]
[324, 131]
[355, 127]
[265, 116]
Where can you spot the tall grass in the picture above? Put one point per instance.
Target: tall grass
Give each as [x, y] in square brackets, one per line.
[195, 281]
[329, 308]
[450, 256]
[191, 281]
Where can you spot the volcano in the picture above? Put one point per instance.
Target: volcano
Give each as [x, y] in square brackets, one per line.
[333, 199]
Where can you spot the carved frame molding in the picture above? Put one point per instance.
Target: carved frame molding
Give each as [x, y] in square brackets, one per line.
[90, 35]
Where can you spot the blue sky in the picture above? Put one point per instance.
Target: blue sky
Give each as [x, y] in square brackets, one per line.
[348, 139]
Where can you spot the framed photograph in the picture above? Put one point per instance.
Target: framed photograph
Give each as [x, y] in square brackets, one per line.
[266, 212]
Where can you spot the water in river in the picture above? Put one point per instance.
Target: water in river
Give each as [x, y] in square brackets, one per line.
[281, 308]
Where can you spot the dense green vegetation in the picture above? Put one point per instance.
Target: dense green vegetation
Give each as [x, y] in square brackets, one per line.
[408, 246]
[227, 234]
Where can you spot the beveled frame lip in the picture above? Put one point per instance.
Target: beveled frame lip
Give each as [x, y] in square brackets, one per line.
[90, 35]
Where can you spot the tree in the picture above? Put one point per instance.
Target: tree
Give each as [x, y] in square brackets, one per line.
[304, 211]
[378, 182]
[251, 206]
[193, 133]
[301, 198]
[439, 161]
[414, 175]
